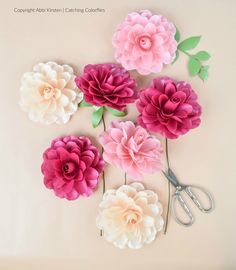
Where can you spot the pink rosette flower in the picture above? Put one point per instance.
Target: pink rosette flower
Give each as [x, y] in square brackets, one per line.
[131, 148]
[169, 108]
[107, 85]
[145, 42]
[71, 167]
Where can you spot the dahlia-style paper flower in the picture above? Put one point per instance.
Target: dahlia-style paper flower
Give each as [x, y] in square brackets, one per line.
[169, 108]
[132, 149]
[145, 42]
[71, 167]
[107, 85]
[130, 216]
[49, 94]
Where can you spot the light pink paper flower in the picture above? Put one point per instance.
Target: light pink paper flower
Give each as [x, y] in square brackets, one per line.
[131, 148]
[71, 167]
[169, 108]
[145, 42]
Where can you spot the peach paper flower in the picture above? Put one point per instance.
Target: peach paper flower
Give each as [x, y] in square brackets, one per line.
[145, 42]
[131, 148]
[130, 216]
[49, 94]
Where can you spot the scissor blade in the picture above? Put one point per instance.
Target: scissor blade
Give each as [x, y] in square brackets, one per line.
[173, 176]
[172, 180]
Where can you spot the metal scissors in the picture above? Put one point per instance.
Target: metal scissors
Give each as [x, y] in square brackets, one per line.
[177, 197]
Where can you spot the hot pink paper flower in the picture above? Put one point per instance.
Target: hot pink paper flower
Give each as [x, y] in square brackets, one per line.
[168, 108]
[131, 148]
[107, 85]
[71, 167]
[145, 42]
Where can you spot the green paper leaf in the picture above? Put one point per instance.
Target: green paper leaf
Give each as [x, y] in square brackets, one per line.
[176, 57]
[83, 103]
[202, 56]
[194, 66]
[203, 73]
[115, 112]
[189, 43]
[97, 116]
[177, 35]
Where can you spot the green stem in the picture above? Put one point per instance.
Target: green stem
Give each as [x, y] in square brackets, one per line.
[188, 54]
[103, 173]
[168, 203]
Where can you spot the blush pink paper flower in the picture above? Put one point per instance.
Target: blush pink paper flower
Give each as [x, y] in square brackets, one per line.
[71, 167]
[145, 42]
[131, 148]
[169, 108]
[107, 85]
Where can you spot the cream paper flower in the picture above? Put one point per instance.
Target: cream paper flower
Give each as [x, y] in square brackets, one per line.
[130, 216]
[49, 93]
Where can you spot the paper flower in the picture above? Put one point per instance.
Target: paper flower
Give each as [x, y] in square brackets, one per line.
[145, 42]
[49, 94]
[169, 108]
[71, 167]
[130, 216]
[107, 85]
[131, 148]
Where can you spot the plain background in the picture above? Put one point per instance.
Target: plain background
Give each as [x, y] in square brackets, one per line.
[40, 231]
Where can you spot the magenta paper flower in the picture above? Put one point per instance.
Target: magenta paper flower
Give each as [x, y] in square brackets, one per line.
[145, 42]
[107, 85]
[71, 167]
[169, 108]
[131, 148]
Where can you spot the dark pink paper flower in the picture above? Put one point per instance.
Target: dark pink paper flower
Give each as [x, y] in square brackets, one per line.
[71, 167]
[107, 85]
[168, 108]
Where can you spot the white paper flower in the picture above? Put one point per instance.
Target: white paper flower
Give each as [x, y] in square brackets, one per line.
[49, 93]
[130, 216]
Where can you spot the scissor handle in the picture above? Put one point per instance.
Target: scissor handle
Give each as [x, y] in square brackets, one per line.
[178, 198]
[195, 198]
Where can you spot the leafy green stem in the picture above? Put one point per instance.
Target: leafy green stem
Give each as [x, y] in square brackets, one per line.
[188, 54]
[195, 65]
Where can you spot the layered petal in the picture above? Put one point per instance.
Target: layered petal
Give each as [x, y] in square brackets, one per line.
[169, 108]
[49, 94]
[71, 167]
[107, 85]
[131, 148]
[130, 216]
[145, 42]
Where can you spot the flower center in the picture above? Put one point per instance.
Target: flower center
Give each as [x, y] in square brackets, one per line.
[132, 217]
[145, 42]
[68, 167]
[175, 100]
[48, 92]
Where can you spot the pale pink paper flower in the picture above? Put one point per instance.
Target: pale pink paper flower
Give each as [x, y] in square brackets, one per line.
[145, 42]
[130, 216]
[49, 94]
[132, 149]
